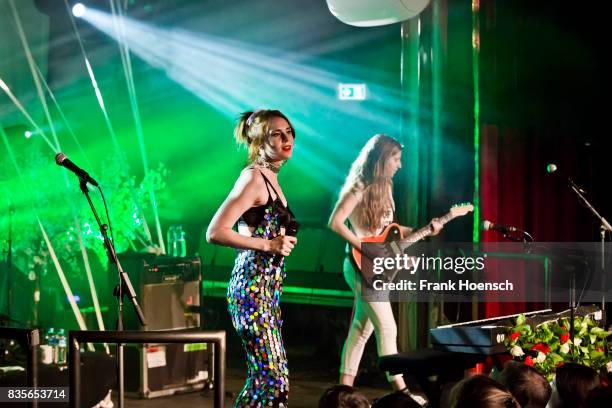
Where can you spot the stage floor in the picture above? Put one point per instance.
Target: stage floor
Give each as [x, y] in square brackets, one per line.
[305, 393]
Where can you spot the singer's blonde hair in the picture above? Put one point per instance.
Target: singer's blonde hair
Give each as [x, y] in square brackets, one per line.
[252, 130]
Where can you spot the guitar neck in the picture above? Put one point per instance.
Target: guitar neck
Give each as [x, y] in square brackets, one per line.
[424, 232]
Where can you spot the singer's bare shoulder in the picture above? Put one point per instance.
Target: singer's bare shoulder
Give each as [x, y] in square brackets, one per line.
[250, 177]
[250, 184]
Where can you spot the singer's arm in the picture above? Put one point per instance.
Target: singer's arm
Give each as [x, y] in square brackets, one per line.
[248, 192]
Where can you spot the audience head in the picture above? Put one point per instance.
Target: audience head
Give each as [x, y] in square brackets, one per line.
[480, 391]
[343, 396]
[573, 382]
[395, 400]
[529, 387]
[600, 397]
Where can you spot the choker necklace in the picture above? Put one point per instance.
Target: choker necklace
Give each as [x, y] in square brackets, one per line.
[273, 167]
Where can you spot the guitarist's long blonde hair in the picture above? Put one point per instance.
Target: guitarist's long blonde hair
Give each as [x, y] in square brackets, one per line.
[367, 174]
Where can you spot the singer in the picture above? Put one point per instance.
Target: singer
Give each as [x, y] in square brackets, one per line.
[258, 206]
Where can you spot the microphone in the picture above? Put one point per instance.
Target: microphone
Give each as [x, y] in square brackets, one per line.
[292, 228]
[504, 229]
[62, 160]
[552, 168]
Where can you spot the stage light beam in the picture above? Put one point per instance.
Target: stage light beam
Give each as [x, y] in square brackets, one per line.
[79, 10]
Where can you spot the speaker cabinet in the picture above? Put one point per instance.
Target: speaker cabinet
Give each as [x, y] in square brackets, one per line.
[167, 289]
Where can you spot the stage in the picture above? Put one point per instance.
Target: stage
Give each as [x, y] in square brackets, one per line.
[223, 166]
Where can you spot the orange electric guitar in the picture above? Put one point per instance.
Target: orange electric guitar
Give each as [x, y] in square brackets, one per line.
[392, 235]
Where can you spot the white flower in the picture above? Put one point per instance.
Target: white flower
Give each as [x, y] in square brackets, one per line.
[564, 348]
[609, 366]
[541, 357]
[517, 351]
[577, 341]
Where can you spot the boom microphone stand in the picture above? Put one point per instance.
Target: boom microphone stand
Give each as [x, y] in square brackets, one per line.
[605, 226]
[124, 285]
[9, 261]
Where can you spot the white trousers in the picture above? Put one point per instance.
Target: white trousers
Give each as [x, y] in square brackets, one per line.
[368, 317]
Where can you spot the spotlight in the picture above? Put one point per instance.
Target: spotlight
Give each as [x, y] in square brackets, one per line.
[78, 10]
[27, 134]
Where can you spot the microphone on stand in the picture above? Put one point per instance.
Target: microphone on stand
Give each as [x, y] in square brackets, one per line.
[504, 229]
[552, 168]
[508, 231]
[605, 225]
[62, 160]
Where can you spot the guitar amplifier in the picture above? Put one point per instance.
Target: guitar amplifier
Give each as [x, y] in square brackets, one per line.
[167, 289]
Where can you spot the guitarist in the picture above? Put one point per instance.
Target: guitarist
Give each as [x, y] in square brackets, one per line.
[366, 201]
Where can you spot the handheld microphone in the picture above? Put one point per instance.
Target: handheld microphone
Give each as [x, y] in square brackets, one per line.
[504, 229]
[62, 160]
[292, 228]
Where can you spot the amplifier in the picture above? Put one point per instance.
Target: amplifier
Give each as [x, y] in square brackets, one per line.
[169, 270]
[168, 291]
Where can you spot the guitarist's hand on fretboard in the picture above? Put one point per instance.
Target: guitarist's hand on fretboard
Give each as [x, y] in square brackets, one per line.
[436, 226]
[395, 242]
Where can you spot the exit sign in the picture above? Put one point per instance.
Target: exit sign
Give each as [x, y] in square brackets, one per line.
[356, 92]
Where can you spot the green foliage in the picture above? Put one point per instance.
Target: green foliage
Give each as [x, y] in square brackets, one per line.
[42, 191]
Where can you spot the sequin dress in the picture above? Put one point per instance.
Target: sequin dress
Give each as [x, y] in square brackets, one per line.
[253, 298]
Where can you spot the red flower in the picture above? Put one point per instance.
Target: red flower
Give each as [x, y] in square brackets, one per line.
[541, 347]
[600, 349]
[515, 336]
[529, 361]
[564, 338]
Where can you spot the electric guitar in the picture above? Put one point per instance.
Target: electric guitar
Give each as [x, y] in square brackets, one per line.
[393, 236]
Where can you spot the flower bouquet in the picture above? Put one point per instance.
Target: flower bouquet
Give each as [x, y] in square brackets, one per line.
[547, 345]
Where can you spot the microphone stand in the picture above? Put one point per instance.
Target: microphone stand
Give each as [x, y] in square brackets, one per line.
[9, 263]
[9, 259]
[124, 285]
[605, 226]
